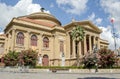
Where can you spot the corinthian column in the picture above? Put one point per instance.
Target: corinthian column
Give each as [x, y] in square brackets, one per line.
[94, 40]
[98, 42]
[85, 45]
[13, 39]
[28, 39]
[79, 49]
[90, 48]
[73, 42]
[40, 43]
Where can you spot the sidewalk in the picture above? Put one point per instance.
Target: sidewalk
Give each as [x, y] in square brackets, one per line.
[8, 69]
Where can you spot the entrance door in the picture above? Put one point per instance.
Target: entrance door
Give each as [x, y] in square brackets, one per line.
[45, 60]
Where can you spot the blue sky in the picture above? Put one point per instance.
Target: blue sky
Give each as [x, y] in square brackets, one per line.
[97, 11]
[93, 6]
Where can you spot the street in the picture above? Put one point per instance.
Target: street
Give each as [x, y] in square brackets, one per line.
[58, 75]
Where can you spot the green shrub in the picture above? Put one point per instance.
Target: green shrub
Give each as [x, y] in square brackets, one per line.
[107, 58]
[89, 61]
[28, 57]
[104, 58]
[11, 58]
[60, 67]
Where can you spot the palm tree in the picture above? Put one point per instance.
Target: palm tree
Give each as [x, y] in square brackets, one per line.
[77, 35]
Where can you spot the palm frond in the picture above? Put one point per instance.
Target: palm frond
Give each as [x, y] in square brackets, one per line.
[78, 33]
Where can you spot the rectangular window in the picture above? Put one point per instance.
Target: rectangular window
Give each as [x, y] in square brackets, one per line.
[61, 46]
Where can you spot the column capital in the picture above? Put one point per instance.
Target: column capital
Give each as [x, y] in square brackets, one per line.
[88, 35]
[14, 29]
[85, 34]
[55, 35]
[67, 33]
[42, 34]
[28, 31]
[93, 36]
[97, 37]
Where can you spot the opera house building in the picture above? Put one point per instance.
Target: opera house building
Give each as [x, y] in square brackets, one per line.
[44, 33]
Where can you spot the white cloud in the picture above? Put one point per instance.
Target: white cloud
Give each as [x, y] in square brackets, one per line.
[73, 6]
[94, 19]
[113, 8]
[1, 32]
[23, 7]
[107, 35]
[91, 17]
[98, 21]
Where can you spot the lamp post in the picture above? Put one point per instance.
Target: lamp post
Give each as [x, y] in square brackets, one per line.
[113, 32]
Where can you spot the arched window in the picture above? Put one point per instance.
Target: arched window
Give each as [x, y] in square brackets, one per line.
[45, 42]
[34, 40]
[20, 38]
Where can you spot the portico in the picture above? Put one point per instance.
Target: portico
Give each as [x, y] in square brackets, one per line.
[85, 47]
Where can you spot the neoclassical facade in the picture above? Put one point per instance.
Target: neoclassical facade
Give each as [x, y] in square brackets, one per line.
[2, 43]
[45, 34]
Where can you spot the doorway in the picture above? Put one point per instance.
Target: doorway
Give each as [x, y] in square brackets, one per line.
[45, 60]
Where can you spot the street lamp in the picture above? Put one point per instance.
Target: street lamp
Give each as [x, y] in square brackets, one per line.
[113, 32]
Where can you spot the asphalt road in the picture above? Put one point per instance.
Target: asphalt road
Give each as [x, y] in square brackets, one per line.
[58, 75]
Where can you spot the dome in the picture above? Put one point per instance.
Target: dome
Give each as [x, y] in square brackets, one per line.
[41, 16]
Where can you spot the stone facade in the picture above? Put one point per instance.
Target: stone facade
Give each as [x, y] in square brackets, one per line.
[2, 43]
[45, 34]
[103, 43]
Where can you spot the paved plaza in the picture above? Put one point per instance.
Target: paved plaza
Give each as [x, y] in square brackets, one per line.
[58, 75]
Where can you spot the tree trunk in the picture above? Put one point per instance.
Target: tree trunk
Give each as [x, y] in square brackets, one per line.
[77, 54]
[78, 60]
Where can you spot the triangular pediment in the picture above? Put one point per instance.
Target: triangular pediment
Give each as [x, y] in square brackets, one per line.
[85, 24]
[90, 26]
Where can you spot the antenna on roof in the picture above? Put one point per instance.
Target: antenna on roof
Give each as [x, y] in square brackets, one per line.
[42, 9]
